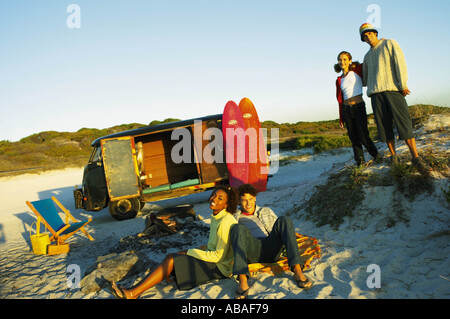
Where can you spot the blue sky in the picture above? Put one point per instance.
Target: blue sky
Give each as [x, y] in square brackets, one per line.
[138, 61]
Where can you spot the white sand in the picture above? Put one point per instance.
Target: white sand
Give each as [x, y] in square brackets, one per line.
[413, 257]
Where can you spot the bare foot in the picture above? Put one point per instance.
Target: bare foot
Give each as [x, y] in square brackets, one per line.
[243, 289]
[302, 281]
[121, 293]
[242, 294]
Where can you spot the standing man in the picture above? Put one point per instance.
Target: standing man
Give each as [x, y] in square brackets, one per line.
[260, 236]
[385, 75]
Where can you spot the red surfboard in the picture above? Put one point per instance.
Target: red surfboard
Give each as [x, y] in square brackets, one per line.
[256, 150]
[233, 128]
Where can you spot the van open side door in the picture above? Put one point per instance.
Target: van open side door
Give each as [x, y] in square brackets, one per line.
[121, 168]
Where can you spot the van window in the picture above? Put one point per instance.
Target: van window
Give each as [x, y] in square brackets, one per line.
[96, 155]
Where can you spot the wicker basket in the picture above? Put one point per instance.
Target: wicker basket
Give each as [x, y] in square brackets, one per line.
[56, 249]
[39, 241]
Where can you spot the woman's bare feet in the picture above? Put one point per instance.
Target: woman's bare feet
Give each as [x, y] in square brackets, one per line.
[121, 293]
[301, 280]
[242, 291]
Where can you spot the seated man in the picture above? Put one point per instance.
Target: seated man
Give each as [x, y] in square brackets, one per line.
[260, 236]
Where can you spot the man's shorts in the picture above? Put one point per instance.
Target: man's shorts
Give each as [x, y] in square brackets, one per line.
[389, 107]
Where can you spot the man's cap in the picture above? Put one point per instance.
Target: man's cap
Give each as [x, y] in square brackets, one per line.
[366, 27]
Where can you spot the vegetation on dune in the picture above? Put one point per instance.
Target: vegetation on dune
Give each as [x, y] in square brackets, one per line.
[56, 150]
[343, 191]
[51, 150]
[335, 200]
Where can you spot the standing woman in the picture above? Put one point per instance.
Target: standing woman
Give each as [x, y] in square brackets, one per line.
[196, 266]
[352, 109]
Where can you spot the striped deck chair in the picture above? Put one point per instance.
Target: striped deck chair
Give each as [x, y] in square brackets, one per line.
[309, 250]
[47, 213]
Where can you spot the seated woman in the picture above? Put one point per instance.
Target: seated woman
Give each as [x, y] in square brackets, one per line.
[196, 266]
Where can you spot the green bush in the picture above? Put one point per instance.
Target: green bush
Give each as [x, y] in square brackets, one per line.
[168, 120]
[321, 143]
[421, 110]
[66, 150]
[307, 141]
[4, 146]
[331, 142]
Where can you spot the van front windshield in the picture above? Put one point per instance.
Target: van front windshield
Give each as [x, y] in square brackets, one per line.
[96, 155]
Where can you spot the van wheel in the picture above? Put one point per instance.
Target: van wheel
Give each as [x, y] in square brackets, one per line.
[124, 209]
